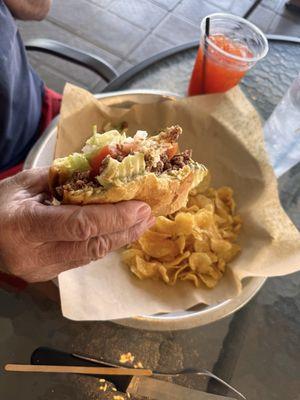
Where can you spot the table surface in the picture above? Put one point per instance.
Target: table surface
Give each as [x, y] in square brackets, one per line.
[257, 349]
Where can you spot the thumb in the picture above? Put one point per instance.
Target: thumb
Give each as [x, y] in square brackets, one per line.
[34, 180]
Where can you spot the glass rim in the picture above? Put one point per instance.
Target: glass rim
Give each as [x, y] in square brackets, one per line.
[245, 22]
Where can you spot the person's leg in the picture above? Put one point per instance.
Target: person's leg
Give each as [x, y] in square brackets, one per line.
[50, 108]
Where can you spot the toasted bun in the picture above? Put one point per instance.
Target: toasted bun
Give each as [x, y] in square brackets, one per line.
[164, 194]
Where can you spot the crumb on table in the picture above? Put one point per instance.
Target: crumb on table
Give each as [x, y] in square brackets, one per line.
[104, 387]
[138, 365]
[126, 358]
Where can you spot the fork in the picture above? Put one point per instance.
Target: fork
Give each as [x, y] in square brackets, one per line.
[185, 371]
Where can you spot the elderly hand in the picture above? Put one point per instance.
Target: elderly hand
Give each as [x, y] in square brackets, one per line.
[37, 241]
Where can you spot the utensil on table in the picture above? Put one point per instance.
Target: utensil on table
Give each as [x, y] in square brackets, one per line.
[68, 369]
[132, 384]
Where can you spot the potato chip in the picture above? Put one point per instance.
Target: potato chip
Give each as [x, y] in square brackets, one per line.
[200, 201]
[221, 264]
[184, 223]
[191, 209]
[165, 225]
[145, 269]
[228, 234]
[200, 262]
[208, 280]
[226, 195]
[220, 246]
[180, 241]
[204, 219]
[220, 221]
[215, 273]
[129, 255]
[163, 272]
[135, 245]
[177, 261]
[213, 257]
[235, 249]
[221, 209]
[201, 244]
[155, 245]
[194, 244]
[189, 276]
[178, 273]
[237, 223]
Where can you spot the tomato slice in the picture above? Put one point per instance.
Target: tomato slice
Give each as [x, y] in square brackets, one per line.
[172, 151]
[124, 150]
[99, 157]
[110, 150]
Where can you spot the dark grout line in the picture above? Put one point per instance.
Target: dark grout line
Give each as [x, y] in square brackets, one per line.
[219, 4]
[127, 20]
[149, 33]
[70, 30]
[95, 43]
[133, 23]
[100, 5]
[165, 8]
[184, 19]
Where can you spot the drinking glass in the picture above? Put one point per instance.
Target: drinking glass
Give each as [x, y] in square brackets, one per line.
[232, 46]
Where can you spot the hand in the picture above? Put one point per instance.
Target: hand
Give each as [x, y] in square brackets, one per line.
[38, 241]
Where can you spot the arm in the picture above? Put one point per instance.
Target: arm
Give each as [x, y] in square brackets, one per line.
[38, 241]
[29, 9]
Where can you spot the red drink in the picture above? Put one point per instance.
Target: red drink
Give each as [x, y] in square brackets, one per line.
[224, 65]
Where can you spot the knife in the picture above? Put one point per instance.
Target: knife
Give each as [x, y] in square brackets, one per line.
[137, 386]
[155, 389]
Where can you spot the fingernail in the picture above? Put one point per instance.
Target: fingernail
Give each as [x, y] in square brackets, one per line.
[143, 211]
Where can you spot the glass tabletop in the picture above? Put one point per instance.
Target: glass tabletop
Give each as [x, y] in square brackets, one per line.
[264, 85]
[257, 349]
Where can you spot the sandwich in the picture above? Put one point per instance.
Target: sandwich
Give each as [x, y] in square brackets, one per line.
[113, 167]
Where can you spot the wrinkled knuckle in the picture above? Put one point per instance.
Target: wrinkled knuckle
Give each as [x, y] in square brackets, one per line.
[98, 247]
[43, 257]
[134, 233]
[80, 226]
[125, 217]
[27, 219]
[24, 178]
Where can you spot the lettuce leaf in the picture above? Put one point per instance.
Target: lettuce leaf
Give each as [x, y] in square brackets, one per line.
[116, 171]
[72, 163]
[99, 140]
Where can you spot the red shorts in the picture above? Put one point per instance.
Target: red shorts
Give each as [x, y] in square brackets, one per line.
[50, 108]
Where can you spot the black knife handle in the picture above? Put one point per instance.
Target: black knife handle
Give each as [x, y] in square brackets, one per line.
[49, 356]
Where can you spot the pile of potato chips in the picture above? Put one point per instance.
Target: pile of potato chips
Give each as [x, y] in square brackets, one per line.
[193, 244]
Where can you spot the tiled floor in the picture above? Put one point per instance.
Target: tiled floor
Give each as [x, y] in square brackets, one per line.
[124, 32]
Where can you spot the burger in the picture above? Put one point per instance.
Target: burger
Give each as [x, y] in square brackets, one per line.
[114, 167]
